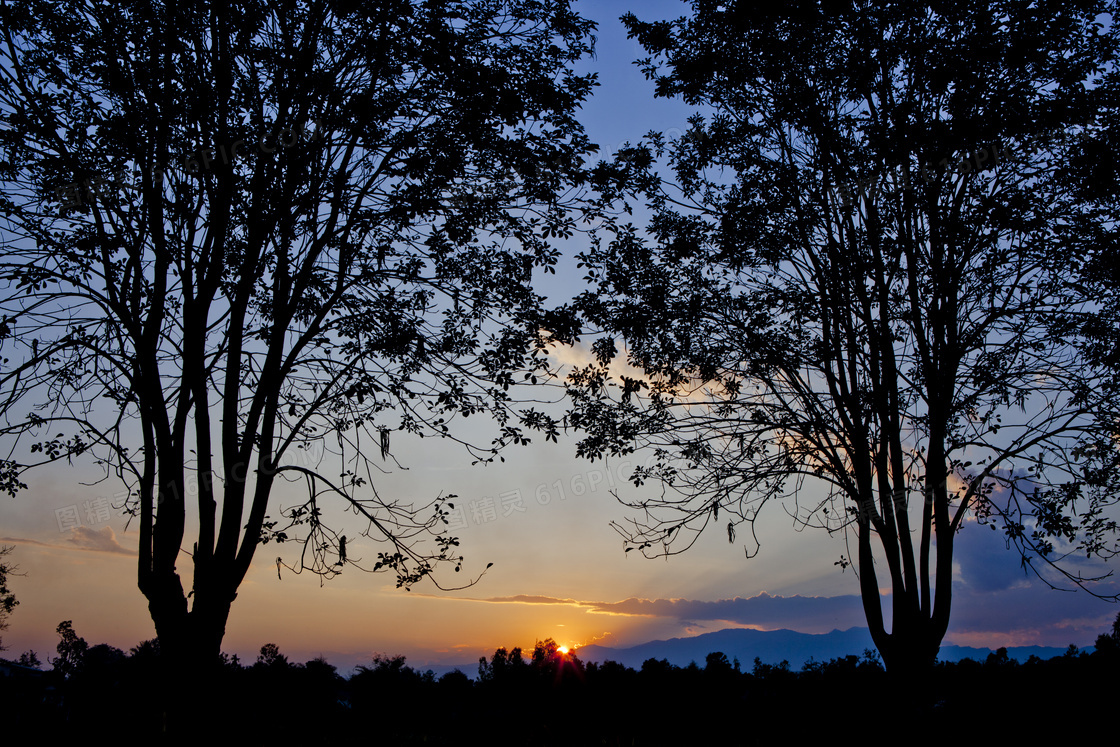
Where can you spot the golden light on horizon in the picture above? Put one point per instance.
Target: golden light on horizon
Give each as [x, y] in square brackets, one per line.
[563, 649]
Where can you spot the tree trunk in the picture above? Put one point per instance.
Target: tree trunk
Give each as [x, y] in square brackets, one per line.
[190, 653]
[910, 650]
[909, 658]
[910, 653]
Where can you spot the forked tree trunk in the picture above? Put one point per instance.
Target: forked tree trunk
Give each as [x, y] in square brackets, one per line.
[190, 653]
[910, 649]
[191, 627]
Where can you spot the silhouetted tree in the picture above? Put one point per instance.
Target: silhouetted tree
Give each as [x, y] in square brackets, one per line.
[145, 650]
[455, 684]
[502, 664]
[1109, 643]
[717, 664]
[321, 669]
[238, 233]
[396, 694]
[29, 659]
[866, 277]
[552, 664]
[8, 600]
[270, 657]
[71, 649]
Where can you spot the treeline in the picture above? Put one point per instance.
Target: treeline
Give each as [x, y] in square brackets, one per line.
[553, 698]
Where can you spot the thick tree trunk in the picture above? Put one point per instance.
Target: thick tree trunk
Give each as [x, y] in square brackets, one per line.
[190, 653]
[910, 652]
[909, 658]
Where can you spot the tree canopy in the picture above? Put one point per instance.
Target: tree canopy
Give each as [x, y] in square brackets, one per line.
[72, 650]
[873, 273]
[239, 233]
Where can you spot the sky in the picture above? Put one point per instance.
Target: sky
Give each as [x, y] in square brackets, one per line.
[542, 518]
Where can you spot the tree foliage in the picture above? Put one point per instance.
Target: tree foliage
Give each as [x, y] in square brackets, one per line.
[270, 656]
[29, 659]
[8, 600]
[72, 650]
[398, 701]
[246, 243]
[873, 273]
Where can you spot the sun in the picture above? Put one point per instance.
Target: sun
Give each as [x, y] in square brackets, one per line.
[563, 649]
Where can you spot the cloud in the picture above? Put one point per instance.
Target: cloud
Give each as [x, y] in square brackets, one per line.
[103, 540]
[607, 639]
[25, 541]
[528, 599]
[987, 613]
[1031, 606]
[579, 355]
[985, 563]
[81, 538]
[764, 611]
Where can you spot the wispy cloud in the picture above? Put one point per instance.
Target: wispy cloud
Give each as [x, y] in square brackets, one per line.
[101, 540]
[530, 599]
[763, 610]
[24, 541]
[81, 538]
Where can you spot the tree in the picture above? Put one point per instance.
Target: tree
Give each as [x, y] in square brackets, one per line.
[503, 665]
[271, 658]
[866, 277]
[238, 232]
[1108, 644]
[72, 650]
[553, 664]
[8, 600]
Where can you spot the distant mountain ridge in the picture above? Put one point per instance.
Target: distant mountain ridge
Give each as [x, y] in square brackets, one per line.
[775, 646]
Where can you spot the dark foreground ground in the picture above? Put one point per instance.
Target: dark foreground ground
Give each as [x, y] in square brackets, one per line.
[548, 698]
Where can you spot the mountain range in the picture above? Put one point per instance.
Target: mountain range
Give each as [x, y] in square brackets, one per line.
[775, 646]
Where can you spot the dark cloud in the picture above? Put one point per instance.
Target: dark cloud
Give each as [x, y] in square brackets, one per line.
[985, 561]
[807, 614]
[996, 608]
[1029, 607]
